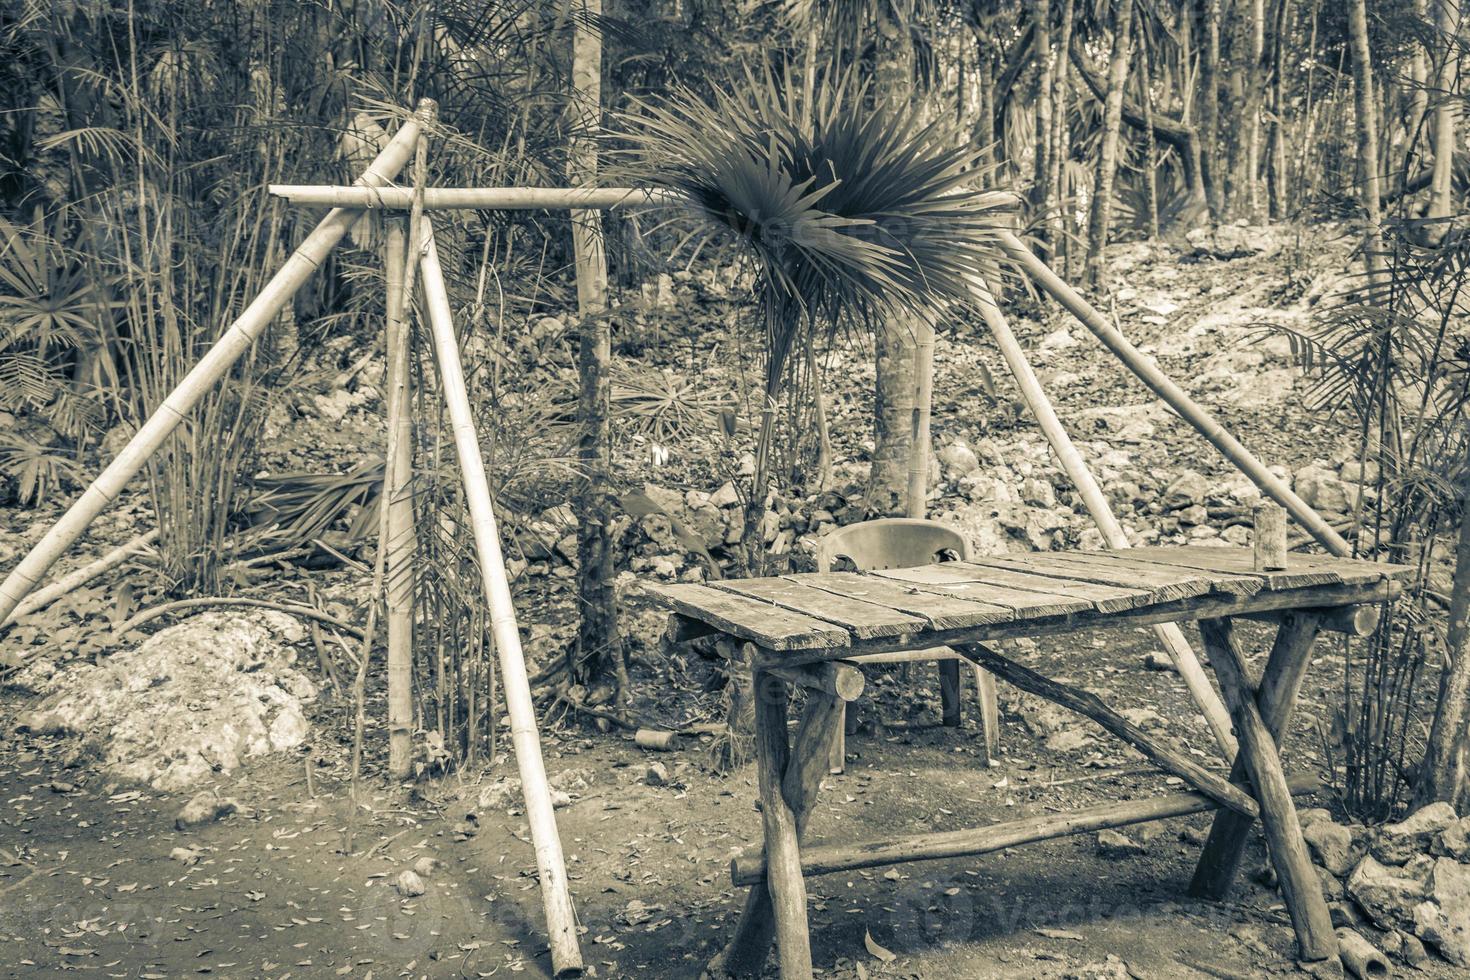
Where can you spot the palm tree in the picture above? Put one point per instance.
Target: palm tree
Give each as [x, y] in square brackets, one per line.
[852, 211]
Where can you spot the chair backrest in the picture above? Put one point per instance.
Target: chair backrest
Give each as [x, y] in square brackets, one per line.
[892, 542]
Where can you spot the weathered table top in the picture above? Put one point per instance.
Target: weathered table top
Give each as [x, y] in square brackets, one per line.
[832, 615]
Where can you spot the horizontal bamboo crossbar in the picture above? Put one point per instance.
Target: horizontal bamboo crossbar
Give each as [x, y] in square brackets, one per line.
[511, 198]
[749, 869]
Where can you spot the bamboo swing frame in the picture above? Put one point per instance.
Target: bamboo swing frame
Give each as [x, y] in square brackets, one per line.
[371, 192]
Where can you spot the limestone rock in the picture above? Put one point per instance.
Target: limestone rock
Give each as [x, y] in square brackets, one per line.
[204, 808]
[1112, 844]
[1388, 894]
[198, 697]
[1323, 490]
[409, 884]
[1455, 840]
[1444, 919]
[957, 460]
[1396, 843]
[1331, 845]
[1188, 489]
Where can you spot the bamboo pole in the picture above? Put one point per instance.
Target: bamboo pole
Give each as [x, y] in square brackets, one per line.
[1160, 384]
[401, 542]
[485, 198]
[510, 198]
[1169, 634]
[42, 598]
[211, 367]
[561, 924]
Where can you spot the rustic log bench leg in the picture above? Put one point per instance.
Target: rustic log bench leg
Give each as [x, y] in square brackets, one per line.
[760, 920]
[1281, 684]
[1300, 887]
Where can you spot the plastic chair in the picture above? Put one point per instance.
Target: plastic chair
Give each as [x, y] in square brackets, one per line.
[903, 542]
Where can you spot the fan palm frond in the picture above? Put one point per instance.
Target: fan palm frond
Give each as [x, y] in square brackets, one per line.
[852, 209]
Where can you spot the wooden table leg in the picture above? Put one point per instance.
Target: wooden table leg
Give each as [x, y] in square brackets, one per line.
[1281, 683]
[1300, 887]
[949, 692]
[759, 921]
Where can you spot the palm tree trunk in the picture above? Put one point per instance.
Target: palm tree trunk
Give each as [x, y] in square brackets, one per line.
[1367, 136]
[599, 648]
[1107, 160]
[894, 347]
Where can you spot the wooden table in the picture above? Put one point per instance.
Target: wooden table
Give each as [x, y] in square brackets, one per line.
[800, 629]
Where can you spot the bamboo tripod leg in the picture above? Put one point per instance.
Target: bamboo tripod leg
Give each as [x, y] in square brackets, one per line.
[561, 924]
[1169, 634]
[1300, 888]
[1281, 683]
[211, 367]
[746, 953]
[401, 542]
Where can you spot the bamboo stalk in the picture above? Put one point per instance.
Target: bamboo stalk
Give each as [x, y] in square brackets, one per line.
[211, 367]
[1169, 634]
[42, 598]
[401, 543]
[566, 956]
[1160, 384]
[508, 198]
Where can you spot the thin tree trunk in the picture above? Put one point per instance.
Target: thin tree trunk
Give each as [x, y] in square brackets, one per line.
[1446, 106]
[1367, 137]
[1446, 771]
[599, 648]
[1255, 94]
[1276, 189]
[1209, 79]
[1059, 151]
[1151, 145]
[1418, 79]
[1107, 160]
[1045, 194]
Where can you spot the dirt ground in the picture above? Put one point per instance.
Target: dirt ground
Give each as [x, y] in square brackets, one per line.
[300, 885]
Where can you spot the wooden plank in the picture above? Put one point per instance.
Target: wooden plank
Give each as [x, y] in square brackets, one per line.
[761, 623]
[861, 619]
[941, 611]
[1027, 605]
[1166, 585]
[1104, 598]
[1220, 583]
[1236, 561]
[1348, 571]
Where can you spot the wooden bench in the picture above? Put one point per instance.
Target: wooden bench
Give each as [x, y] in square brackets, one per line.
[804, 630]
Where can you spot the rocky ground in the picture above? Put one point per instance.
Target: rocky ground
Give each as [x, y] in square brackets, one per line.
[163, 819]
